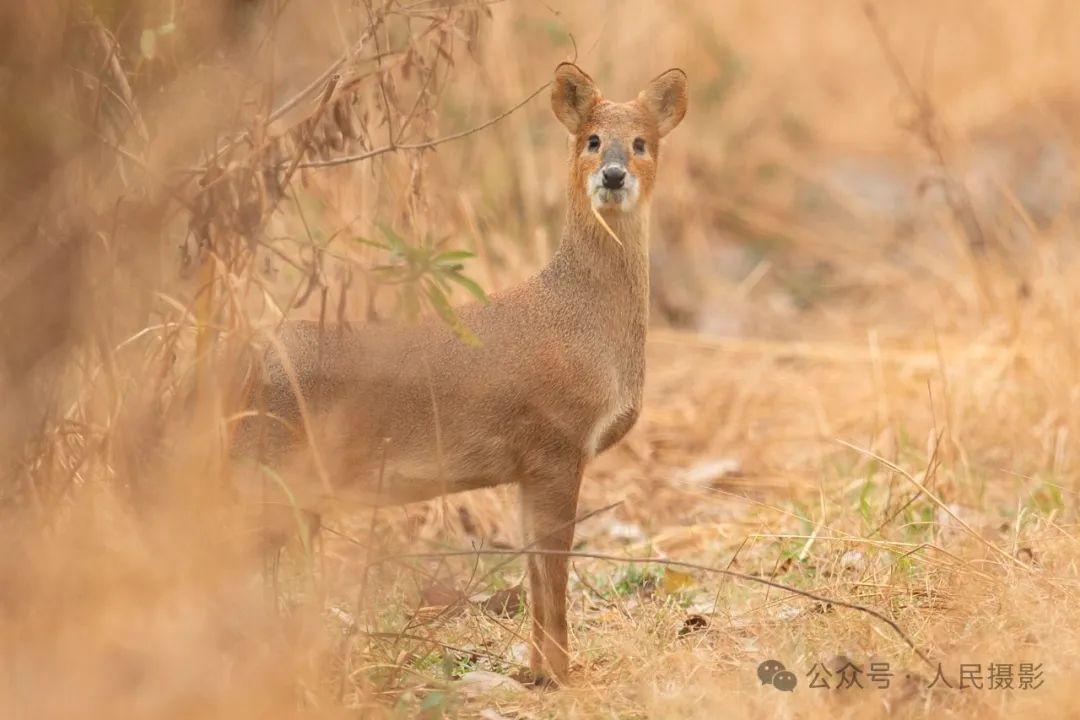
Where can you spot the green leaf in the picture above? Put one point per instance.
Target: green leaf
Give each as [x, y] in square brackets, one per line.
[471, 285]
[396, 243]
[440, 277]
[372, 243]
[434, 705]
[440, 303]
[453, 256]
[442, 306]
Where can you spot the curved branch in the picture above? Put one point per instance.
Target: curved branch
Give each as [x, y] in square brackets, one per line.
[679, 564]
[332, 162]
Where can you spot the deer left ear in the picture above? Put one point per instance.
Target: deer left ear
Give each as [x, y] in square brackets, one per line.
[573, 95]
[665, 97]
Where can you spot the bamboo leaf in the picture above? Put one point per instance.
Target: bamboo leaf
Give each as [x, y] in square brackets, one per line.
[442, 306]
[394, 240]
[372, 243]
[440, 278]
[471, 285]
[453, 256]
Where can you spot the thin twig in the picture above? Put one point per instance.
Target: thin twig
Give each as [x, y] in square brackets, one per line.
[492, 571]
[931, 470]
[439, 643]
[926, 127]
[295, 99]
[313, 121]
[345, 160]
[678, 564]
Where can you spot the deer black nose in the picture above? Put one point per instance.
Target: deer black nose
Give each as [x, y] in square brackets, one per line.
[614, 177]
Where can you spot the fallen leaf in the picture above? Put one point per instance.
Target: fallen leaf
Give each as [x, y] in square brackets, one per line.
[689, 538]
[439, 593]
[439, 600]
[853, 560]
[431, 613]
[627, 532]
[477, 682]
[787, 612]
[710, 472]
[519, 653]
[609, 615]
[694, 623]
[676, 580]
[505, 603]
[348, 622]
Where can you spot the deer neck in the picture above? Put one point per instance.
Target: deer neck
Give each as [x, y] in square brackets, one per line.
[607, 280]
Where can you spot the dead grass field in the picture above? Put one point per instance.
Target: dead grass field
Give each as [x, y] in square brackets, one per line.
[863, 380]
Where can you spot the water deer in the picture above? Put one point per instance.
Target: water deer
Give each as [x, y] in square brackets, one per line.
[397, 413]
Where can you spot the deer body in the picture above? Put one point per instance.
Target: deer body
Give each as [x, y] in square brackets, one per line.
[562, 358]
[405, 413]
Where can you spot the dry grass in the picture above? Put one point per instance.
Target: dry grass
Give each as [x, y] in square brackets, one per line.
[856, 386]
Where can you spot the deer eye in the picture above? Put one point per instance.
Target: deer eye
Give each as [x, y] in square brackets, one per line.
[594, 143]
[639, 146]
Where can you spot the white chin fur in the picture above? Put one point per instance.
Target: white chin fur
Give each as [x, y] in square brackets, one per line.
[603, 199]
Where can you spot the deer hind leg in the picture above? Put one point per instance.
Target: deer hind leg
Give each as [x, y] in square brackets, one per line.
[549, 506]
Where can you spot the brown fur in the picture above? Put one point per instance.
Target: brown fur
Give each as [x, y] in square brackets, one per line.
[405, 413]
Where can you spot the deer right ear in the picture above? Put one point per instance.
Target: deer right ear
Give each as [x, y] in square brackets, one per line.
[665, 98]
[573, 95]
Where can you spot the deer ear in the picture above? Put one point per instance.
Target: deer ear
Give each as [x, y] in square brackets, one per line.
[573, 95]
[665, 98]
